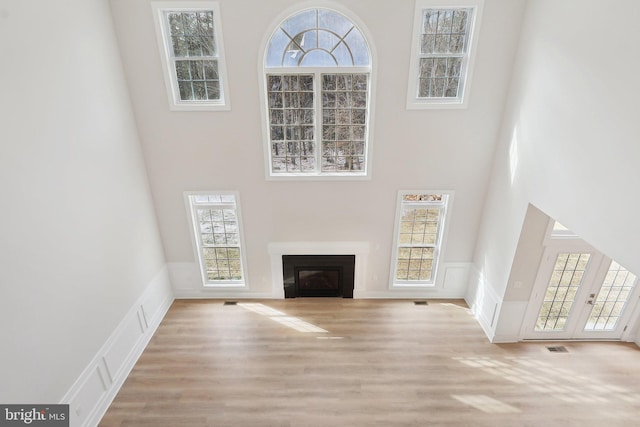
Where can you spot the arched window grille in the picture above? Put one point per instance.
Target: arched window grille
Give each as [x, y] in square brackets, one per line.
[318, 81]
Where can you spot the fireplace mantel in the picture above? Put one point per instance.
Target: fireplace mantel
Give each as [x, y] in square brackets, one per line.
[278, 249]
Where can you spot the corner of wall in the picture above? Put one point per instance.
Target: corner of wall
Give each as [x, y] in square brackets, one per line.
[483, 302]
[94, 390]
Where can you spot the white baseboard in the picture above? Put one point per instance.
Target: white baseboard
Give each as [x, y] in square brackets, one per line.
[92, 393]
[450, 284]
[218, 294]
[412, 293]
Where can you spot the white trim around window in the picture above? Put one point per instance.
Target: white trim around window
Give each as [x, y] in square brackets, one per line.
[420, 229]
[288, 158]
[446, 71]
[193, 60]
[215, 221]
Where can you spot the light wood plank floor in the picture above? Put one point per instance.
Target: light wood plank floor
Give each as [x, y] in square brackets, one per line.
[380, 363]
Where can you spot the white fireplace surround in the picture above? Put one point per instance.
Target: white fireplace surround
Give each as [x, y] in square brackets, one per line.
[278, 249]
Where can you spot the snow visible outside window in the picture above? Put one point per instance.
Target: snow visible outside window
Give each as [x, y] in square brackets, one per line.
[217, 233]
[317, 80]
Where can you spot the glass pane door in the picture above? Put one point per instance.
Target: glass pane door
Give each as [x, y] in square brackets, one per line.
[566, 278]
[610, 304]
[581, 294]
[614, 294]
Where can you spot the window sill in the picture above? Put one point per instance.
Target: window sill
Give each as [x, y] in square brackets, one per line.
[225, 284]
[396, 286]
[318, 177]
[199, 107]
[436, 104]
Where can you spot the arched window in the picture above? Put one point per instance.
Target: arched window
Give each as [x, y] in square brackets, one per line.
[317, 71]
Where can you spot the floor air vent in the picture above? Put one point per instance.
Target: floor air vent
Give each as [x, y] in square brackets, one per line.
[420, 303]
[230, 302]
[558, 349]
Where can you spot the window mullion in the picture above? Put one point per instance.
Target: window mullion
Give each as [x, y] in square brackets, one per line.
[317, 90]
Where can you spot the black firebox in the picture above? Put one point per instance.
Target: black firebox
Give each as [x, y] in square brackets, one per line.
[318, 275]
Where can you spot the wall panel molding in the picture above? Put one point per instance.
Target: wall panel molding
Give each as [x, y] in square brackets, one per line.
[484, 303]
[94, 390]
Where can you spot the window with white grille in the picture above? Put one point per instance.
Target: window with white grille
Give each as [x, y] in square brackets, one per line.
[442, 53]
[317, 81]
[218, 238]
[190, 39]
[418, 237]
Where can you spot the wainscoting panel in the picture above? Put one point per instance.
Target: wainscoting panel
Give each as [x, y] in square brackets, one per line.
[456, 278]
[187, 284]
[95, 389]
[117, 354]
[509, 321]
[451, 283]
[484, 303]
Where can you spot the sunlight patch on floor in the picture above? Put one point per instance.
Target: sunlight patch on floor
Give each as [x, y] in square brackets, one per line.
[448, 304]
[297, 324]
[542, 377]
[282, 318]
[485, 403]
[261, 309]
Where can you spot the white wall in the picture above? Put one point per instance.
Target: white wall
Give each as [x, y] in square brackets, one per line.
[78, 235]
[569, 139]
[190, 151]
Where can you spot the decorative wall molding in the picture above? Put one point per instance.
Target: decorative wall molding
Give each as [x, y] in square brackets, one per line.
[187, 284]
[450, 283]
[484, 303]
[94, 390]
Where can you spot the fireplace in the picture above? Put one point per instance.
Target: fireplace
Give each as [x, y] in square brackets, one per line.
[318, 275]
[357, 250]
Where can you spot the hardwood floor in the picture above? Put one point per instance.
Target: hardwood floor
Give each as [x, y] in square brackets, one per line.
[380, 363]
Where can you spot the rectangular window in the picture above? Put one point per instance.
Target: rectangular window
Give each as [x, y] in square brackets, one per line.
[328, 138]
[217, 233]
[190, 39]
[344, 113]
[442, 53]
[291, 119]
[418, 237]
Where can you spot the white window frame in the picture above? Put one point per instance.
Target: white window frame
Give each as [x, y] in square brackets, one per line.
[160, 9]
[559, 235]
[445, 206]
[462, 100]
[198, 246]
[264, 71]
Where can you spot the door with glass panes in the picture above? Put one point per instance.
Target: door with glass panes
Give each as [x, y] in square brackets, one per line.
[580, 294]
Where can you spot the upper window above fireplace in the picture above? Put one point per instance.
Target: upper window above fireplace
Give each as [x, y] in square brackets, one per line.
[420, 223]
[218, 238]
[317, 94]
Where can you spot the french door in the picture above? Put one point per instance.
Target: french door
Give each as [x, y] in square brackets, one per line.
[580, 294]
